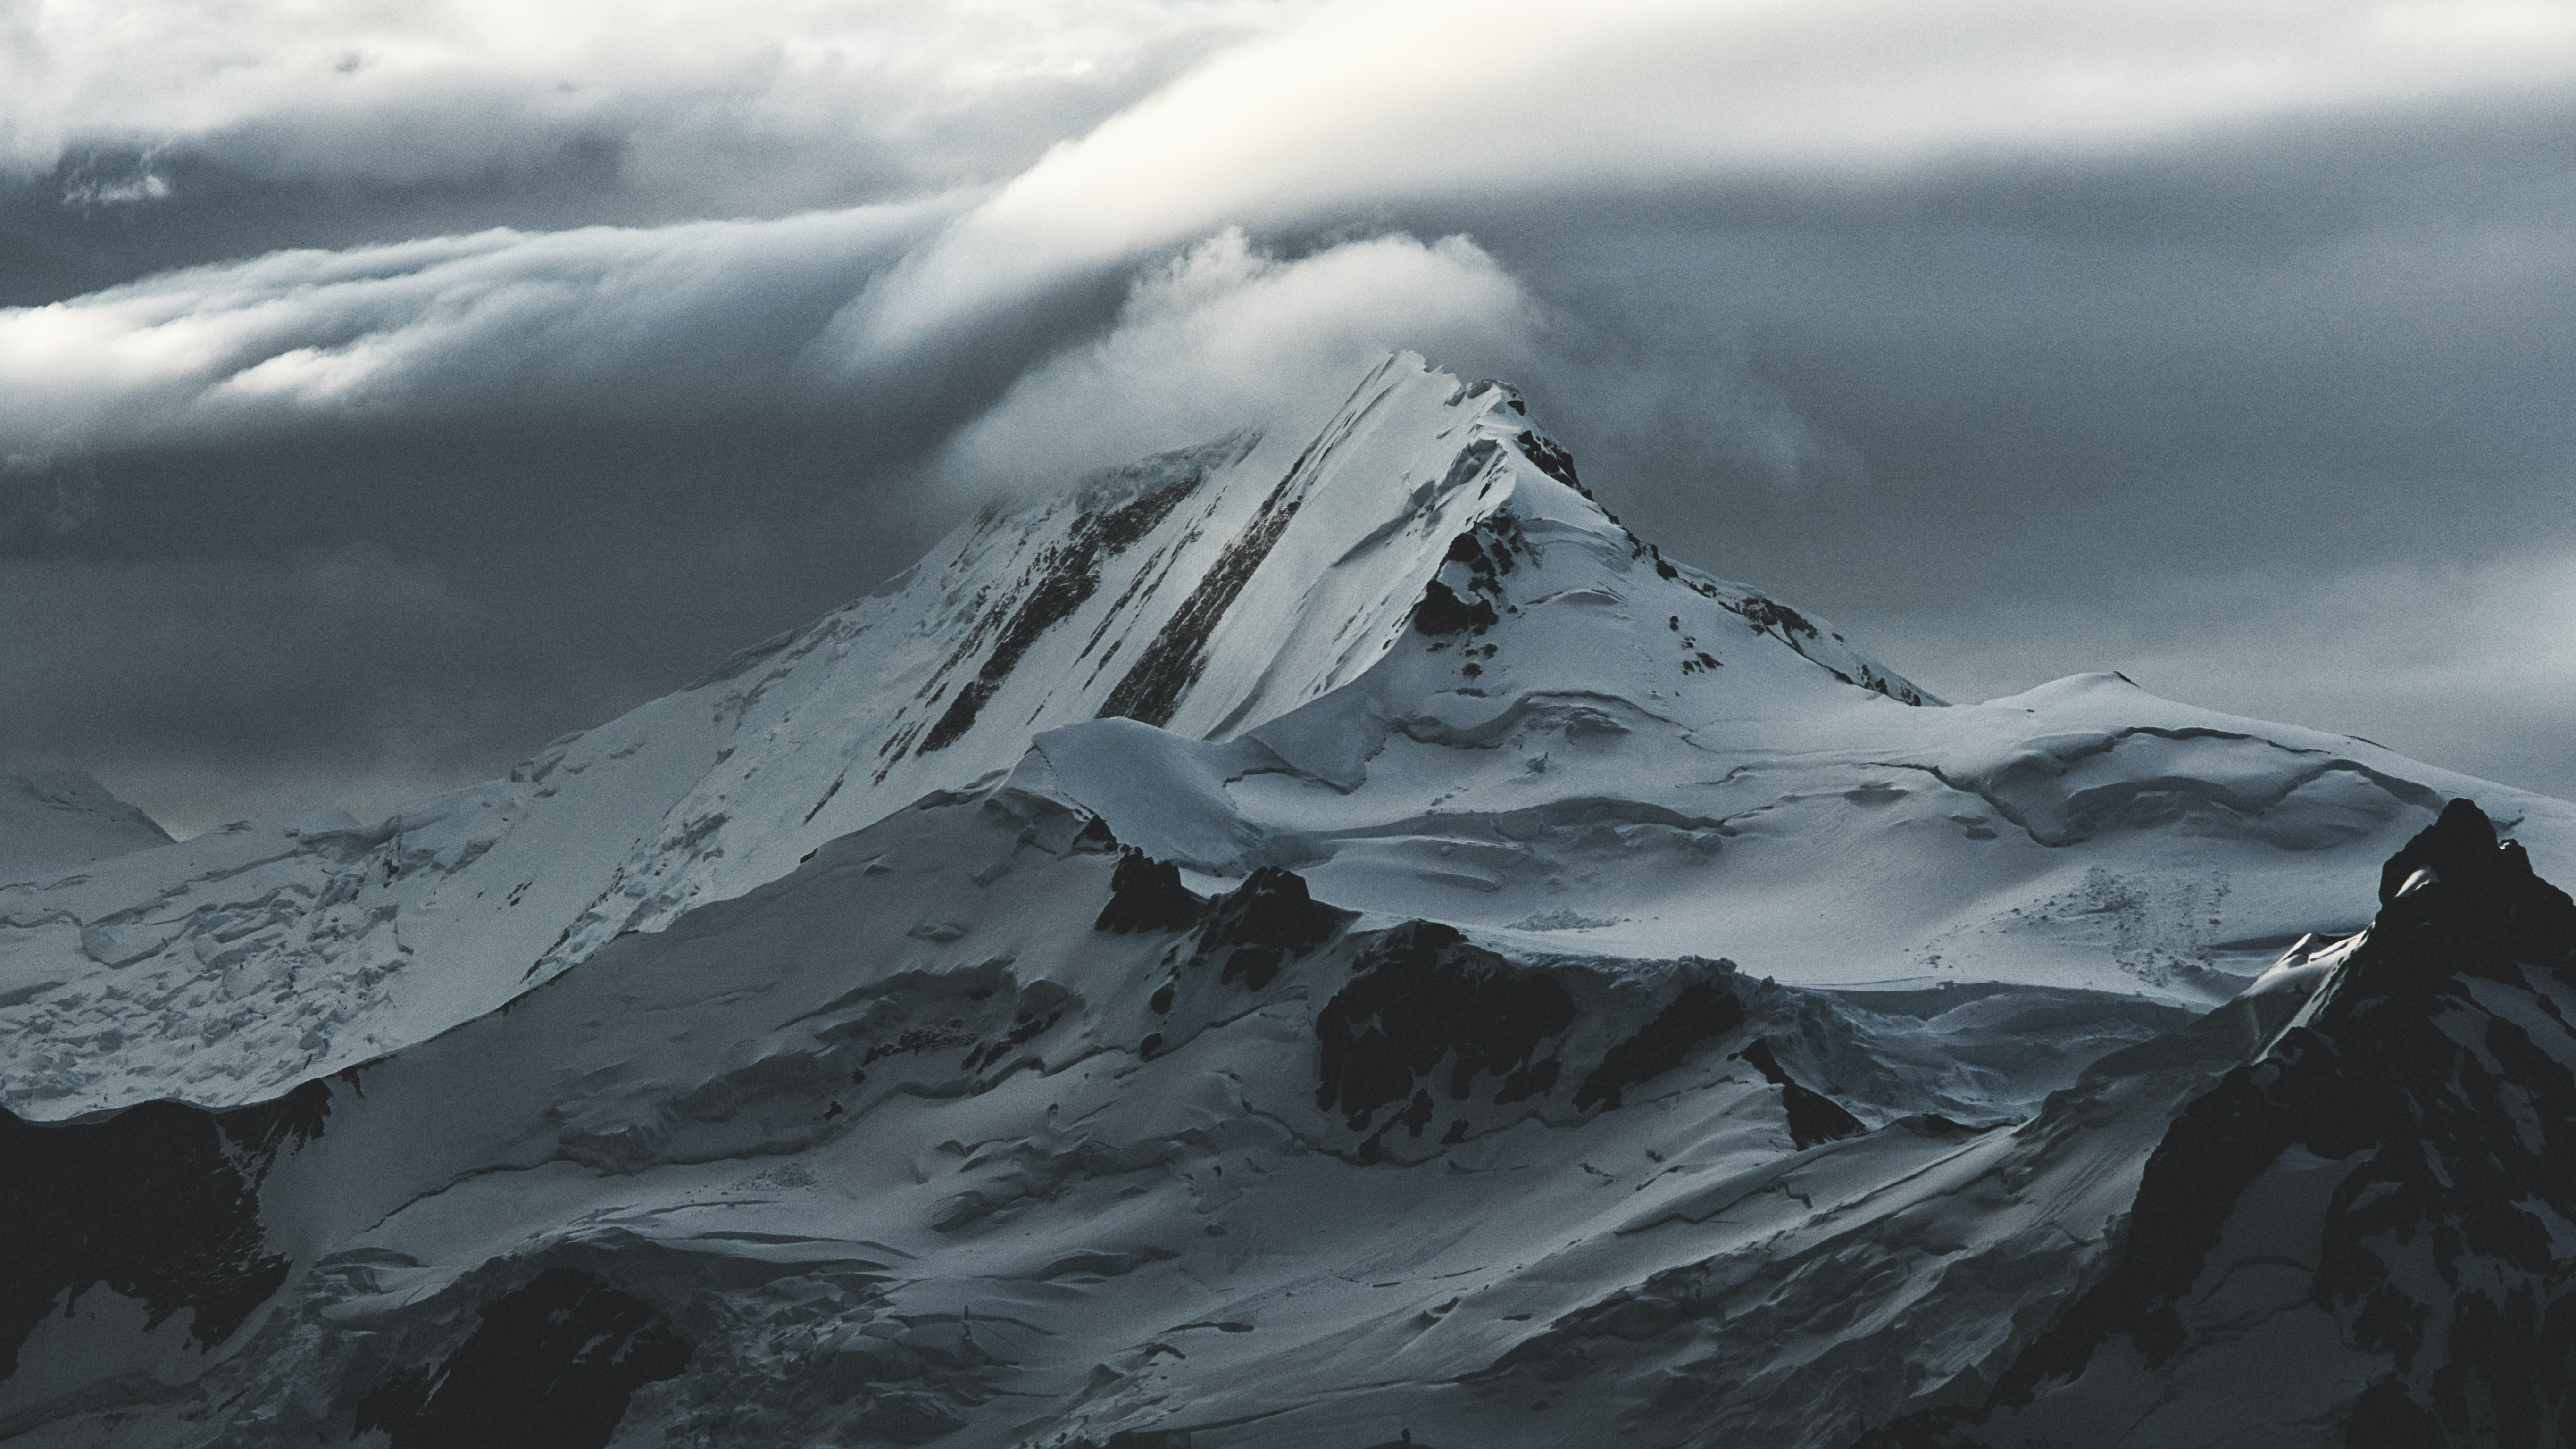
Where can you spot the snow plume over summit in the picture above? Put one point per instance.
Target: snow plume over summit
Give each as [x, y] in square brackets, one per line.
[1226, 331]
[1315, 938]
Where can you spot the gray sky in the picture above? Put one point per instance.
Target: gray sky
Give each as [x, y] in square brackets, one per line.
[384, 391]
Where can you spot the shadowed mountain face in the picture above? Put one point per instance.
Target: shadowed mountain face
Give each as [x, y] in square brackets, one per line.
[2384, 1201]
[158, 1205]
[1301, 942]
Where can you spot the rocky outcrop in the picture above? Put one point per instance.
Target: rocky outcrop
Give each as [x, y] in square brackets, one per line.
[2386, 1199]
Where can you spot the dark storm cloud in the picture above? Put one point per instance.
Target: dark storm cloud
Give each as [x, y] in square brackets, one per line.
[387, 613]
[110, 214]
[2253, 389]
[2274, 420]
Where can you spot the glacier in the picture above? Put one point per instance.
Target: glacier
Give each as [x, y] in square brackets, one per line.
[1304, 940]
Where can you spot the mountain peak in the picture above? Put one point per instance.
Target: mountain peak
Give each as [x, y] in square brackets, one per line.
[1230, 951]
[1207, 592]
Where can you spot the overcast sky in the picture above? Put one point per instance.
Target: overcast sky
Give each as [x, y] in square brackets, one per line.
[388, 388]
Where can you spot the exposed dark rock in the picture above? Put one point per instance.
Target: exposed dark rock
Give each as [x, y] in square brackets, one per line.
[1813, 1116]
[837, 781]
[1443, 612]
[1464, 595]
[159, 1203]
[2432, 1078]
[1552, 460]
[1059, 581]
[1475, 549]
[1146, 894]
[551, 1366]
[2459, 845]
[1770, 616]
[1026, 1027]
[1153, 686]
[1420, 995]
[1254, 929]
[2385, 1418]
[1701, 1011]
[1425, 1014]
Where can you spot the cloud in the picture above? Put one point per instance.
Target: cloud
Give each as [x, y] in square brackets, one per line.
[1328, 110]
[618, 320]
[1225, 334]
[698, 319]
[1678, 396]
[756, 107]
[1361, 103]
[355, 670]
[795, 101]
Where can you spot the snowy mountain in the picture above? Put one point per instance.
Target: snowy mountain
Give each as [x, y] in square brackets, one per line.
[1309, 941]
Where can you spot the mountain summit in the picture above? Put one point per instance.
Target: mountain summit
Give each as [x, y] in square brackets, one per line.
[1321, 940]
[1205, 592]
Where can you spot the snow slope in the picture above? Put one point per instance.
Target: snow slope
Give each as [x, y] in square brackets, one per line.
[1280, 945]
[923, 1121]
[980, 1130]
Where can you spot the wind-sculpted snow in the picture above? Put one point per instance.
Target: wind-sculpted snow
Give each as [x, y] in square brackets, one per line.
[1309, 942]
[1530, 765]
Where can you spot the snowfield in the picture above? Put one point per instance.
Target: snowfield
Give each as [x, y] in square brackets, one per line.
[1304, 941]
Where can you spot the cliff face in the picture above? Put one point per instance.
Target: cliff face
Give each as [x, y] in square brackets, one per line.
[2365, 1236]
